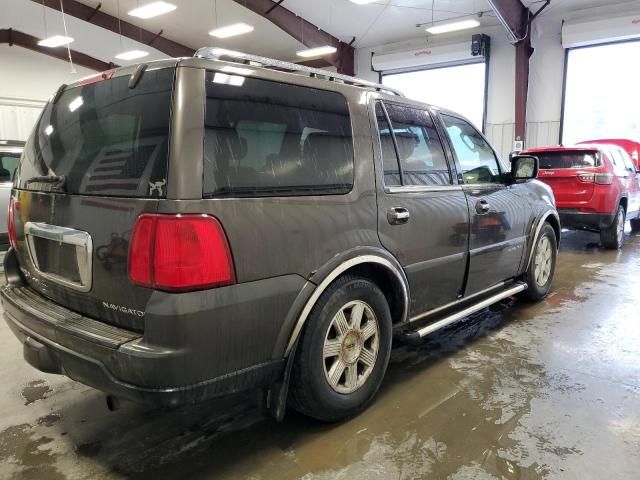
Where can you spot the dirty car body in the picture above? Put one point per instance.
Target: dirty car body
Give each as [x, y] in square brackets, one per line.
[289, 216]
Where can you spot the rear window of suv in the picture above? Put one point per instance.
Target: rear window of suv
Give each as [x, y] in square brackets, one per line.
[265, 138]
[555, 160]
[103, 138]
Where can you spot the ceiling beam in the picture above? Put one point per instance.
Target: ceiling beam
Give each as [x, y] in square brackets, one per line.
[304, 31]
[119, 26]
[515, 18]
[21, 39]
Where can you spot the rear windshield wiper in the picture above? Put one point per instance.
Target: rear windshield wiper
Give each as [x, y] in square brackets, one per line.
[48, 183]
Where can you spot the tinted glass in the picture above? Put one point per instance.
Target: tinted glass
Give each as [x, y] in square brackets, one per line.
[476, 158]
[389, 157]
[266, 138]
[555, 160]
[421, 154]
[8, 164]
[104, 138]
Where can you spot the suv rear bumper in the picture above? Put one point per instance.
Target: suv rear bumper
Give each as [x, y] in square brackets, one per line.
[57, 340]
[570, 218]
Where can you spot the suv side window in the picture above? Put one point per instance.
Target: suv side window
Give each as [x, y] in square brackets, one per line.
[476, 158]
[265, 138]
[414, 143]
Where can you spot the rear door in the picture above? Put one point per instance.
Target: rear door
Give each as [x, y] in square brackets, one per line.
[96, 160]
[498, 213]
[422, 213]
[630, 179]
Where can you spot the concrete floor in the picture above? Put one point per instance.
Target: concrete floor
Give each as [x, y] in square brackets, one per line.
[550, 390]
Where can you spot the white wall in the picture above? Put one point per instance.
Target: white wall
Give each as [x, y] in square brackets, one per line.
[28, 79]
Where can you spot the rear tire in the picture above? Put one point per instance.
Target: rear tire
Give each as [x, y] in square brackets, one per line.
[344, 351]
[539, 277]
[635, 225]
[613, 236]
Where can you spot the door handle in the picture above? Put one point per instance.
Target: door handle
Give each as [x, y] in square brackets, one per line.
[398, 215]
[482, 207]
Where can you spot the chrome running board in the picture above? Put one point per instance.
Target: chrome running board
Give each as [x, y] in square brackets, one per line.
[432, 327]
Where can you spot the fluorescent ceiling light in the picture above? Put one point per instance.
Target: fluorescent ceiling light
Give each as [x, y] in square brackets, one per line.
[363, 2]
[453, 26]
[152, 9]
[75, 104]
[131, 55]
[55, 41]
[317, 51]
[231, 30]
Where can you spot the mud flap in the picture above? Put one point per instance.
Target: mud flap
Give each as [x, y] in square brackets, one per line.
[274, 398]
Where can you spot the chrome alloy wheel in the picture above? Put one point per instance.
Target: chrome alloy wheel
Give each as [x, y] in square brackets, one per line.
[542, 261]
[351, 347]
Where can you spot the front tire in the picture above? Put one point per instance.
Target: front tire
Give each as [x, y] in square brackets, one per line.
[344, 351]
[635, 225]
[539, 277]
[613, 236]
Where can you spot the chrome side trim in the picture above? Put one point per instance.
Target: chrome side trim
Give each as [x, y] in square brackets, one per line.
[535, 238]
[422, 188]
[84, 252]
[339, 270]
[456, 302]
[519, 287]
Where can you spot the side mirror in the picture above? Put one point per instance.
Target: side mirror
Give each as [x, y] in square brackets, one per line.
[524, 167]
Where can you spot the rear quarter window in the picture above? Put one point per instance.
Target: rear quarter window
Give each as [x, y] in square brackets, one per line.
[265, 138]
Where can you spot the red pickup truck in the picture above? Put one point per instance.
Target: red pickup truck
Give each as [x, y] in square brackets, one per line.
[597, 188]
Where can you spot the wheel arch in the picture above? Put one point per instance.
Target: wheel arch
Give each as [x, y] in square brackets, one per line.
[381, 268]
[551, 217]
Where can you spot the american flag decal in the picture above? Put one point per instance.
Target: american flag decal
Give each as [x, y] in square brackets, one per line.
[120, 170]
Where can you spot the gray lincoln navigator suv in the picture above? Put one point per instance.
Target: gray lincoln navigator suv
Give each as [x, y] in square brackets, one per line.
[188, 228]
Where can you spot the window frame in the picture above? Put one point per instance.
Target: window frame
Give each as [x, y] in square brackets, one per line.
[453, 178]
[501, 167]
[565, 72]
[266, 194]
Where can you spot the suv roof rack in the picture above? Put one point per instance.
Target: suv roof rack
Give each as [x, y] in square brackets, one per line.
[215, 53]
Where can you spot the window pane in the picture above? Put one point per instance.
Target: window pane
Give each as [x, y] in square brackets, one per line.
[602, 98]
[8, 164]
[389, 158]
[459, 88]
[555, 160]
[475, 156]
[266, 138]
[104, 138]
[421, 153]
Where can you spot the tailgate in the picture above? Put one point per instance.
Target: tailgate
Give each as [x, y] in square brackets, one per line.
[567, 186]
[96, 160]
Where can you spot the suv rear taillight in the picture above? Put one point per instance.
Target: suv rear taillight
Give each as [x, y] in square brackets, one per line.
[179, 253]
[11, 223]
[604, 178]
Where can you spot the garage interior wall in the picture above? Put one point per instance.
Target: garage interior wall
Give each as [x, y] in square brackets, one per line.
[544, 103]
[23, 93]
